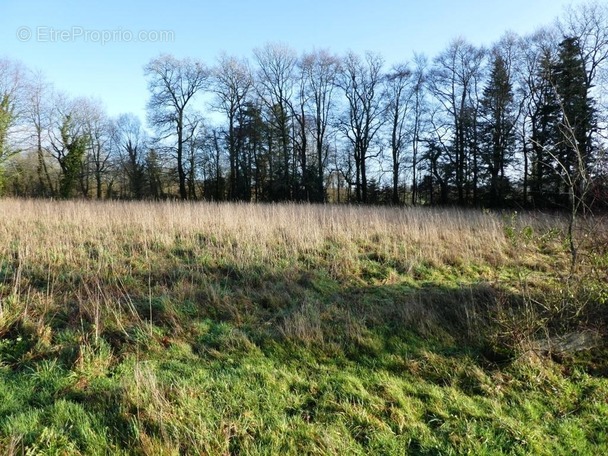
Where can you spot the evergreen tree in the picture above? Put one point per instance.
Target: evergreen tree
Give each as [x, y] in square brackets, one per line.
[497, 129]
[576, 123]
[544, 135]
[250, 162]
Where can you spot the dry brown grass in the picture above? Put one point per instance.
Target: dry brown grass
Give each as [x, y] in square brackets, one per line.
[93, 234]
[110, 262]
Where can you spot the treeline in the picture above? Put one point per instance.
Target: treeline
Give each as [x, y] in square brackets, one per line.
[520, 123]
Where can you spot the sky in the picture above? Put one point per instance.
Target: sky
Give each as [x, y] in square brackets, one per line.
[98, 49]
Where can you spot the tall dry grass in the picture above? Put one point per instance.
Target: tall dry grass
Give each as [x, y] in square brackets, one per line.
[53, 232]
[110, 262]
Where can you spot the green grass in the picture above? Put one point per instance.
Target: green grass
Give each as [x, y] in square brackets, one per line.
[175, 329]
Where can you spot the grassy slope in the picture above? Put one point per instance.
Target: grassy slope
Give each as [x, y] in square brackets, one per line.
[166, 328]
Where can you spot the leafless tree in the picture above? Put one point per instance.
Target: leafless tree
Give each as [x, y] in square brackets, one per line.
[319, 71]
[418, 118]
[173, 85]
[360, 81]
[98, 131]
[454, 81]
[129, 142]
[398, 100]
[37, 116]
[232, 85]
[195, 127]
[275, 85]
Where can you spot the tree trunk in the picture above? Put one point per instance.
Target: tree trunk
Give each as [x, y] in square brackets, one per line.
[183, 192]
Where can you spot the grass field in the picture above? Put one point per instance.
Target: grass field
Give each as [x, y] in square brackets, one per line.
[177, 328]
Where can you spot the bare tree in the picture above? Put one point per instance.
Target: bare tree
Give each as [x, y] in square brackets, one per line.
[319, 71]
[232, 84]
[195, 128]
[398, 98]
[360, 81]
[37, 116]
[454, 82]
[275, 79]
[98, 131]
[419, 111]
[304, 190]
[173, 85]
[211, 155]
[577, 180]
[129, 141]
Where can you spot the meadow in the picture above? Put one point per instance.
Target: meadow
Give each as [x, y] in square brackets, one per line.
[198, 328]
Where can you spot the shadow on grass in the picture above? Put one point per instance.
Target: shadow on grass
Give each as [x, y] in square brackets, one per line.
[376, 341]
[311, 309]
[359, 316]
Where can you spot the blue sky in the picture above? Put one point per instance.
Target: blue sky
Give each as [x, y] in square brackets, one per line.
[113, 71]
